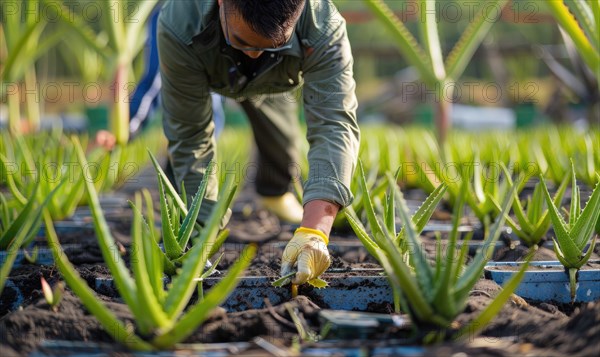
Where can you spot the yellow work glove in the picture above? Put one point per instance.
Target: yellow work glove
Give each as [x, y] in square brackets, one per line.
[308, 250]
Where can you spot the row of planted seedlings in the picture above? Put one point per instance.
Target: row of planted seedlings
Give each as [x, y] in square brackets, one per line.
[432, 290]
[383, 206]
[546, 149]
[163, 273]
[42, 171]
[42, 168]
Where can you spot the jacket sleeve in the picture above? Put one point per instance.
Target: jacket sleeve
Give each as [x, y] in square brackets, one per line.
[187, 116]
[330, 105]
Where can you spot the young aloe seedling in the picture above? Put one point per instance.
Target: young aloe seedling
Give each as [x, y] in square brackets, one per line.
[178, 224]
[433, 293]
[162, 317]
[533, 220]
[53, 296]
[487, 188]
[574, 235]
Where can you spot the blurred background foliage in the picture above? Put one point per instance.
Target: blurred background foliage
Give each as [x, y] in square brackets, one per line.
[509, 60]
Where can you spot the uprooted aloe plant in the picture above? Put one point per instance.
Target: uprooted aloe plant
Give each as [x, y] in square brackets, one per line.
[159, 315]
[533, 220]
[574, 235]
[433, 294]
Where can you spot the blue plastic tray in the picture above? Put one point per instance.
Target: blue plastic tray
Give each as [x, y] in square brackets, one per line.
[546, 281]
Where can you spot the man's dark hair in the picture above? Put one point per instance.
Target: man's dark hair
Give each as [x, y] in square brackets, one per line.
[269, 18]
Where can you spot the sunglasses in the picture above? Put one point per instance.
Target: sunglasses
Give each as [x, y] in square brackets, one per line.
[250, 49]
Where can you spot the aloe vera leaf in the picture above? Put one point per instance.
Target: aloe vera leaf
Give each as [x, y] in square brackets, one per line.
[590, 164]
[152, 252]
[154, 316]
[430, 38]
[183, 284]
[10, 182]
[462, 258]
[575, 208]
[477, 184]
[201, 310]
[439, 263]
[486, 316]
[172, 248]
[474, 270]
[9, 235]
[565, 261]
[150, 214]
[583, 230]
[376, 228]
[74, 197]
[6, 213]
[19, 236]
[417, 255]
[586, 20]
[167, 184]
[360, 231]
[589, 252]
[427, 183]
[543, 223]
[390, 217]
[403, 38]
[460, 56]
[284, 280]
[183, 194]
[115, 328]
[134, 29]
[568, 248]
[595, 4]
[78, 24]
[187, 227]
[212, 268]
[123, 280]
[425, 211]
[441, 298]
[569, 24]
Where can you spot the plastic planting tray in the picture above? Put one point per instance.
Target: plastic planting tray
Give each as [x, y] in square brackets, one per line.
[546, 281]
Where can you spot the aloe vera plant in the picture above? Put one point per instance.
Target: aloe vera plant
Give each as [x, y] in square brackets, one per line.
[160, 318]
[572, 236]
[532, 218]
[16, 232]
[22, 32]
[178, 223]
[427, 59]
[432, 293]
[123, 21]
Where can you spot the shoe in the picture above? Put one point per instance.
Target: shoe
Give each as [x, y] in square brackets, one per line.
[286, 207]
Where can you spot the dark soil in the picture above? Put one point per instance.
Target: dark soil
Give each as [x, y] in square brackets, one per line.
[540, 328]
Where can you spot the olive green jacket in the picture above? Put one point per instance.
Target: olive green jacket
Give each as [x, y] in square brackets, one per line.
[195, 60]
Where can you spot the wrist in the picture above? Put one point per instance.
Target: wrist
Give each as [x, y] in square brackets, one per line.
[319, 215]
